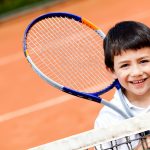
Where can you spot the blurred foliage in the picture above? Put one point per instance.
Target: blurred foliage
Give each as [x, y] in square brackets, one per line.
[10, 5]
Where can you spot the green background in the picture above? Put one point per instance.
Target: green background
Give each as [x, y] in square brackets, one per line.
[12, 5]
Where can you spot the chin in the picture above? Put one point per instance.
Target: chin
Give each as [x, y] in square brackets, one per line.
[140, 93]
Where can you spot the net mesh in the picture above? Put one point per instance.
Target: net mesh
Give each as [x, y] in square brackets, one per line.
[130, 134]
[68, 52]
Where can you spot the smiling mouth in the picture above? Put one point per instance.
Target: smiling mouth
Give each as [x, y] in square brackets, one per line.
[138, 81]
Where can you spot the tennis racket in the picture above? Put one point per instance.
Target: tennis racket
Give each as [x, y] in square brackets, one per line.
[67, 51]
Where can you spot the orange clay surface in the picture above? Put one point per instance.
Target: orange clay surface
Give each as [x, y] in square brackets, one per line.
[32, 112]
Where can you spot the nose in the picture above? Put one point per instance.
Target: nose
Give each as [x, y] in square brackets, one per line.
[136, 71]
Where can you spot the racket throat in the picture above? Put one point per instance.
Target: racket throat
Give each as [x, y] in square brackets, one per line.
[91, 97]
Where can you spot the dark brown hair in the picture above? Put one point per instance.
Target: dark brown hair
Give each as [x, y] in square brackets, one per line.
[124, 36]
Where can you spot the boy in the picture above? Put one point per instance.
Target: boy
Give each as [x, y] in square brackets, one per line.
[127, 58]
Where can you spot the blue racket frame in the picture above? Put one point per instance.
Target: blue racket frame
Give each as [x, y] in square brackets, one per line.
[90, 96]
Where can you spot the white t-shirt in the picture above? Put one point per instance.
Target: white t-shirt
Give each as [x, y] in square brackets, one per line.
[108, 116]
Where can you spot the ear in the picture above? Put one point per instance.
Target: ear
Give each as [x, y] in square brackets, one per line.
[112, 73]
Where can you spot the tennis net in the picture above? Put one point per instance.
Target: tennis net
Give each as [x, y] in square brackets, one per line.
[130, 134]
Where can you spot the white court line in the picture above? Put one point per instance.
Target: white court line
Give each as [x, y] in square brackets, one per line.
[11, 58]
[35, 107]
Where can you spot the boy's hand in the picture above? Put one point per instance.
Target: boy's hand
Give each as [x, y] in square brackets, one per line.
[144, 144]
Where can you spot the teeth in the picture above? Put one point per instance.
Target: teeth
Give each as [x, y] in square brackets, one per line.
[139, 81]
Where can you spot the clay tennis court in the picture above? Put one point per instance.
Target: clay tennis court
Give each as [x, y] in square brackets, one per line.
[32, 112]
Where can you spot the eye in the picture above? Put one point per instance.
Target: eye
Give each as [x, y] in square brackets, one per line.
[124, 65]
[144, 61]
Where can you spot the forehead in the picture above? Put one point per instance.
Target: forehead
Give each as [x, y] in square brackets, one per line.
[133, 54]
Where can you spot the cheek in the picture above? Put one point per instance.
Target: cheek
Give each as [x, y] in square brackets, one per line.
[122, 77]
[147, 69]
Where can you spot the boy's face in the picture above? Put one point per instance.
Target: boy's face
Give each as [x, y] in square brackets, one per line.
[132, 68]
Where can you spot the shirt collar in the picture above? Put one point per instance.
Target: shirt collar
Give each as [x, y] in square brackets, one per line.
[130, 105]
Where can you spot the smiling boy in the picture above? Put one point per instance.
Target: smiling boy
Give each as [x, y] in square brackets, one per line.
[127, 58]
[132, 68]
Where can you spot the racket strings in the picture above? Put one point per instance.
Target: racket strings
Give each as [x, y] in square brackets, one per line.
[95, 39]
[97, 53]
[55, 69]
[91, 45]
[76, 57]
[46, 61]
[77, 66]
[69, 53]
[72, 58]
[65, 59]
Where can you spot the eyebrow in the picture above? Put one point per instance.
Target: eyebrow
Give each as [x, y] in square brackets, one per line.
[126, 61]
[123, 62]
[144, 57]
